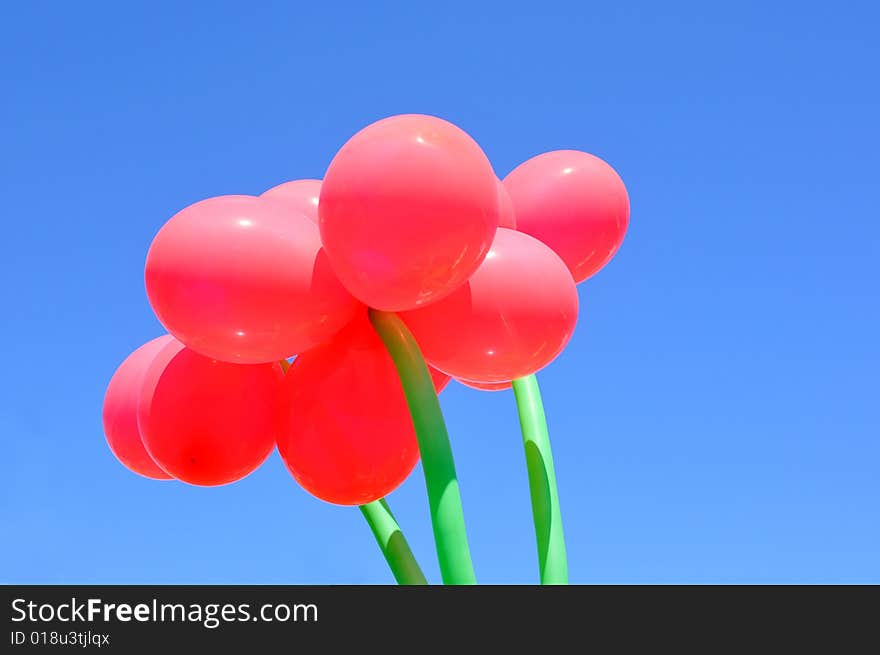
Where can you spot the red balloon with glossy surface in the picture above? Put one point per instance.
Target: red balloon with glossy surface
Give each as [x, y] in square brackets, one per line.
[408, 210]
[300, 196]
[208, 422]
[243, 280]
[120, 411]
[575, 203]
[348, 437]
[511, 318]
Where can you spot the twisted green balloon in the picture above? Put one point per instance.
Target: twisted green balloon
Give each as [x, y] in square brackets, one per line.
[393, 544]
[552, 560]
[444, 499]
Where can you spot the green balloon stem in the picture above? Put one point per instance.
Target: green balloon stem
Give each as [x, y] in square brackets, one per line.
[444, 498]
[552, 560]
[393, 544]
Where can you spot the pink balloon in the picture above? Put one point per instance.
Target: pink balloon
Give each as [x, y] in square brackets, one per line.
[300, 196]
[575, 203]
[408, 210]
[120, 411]
[208, 422]
[506, 215]
[511, 318]
[243, 280]
[487, 386]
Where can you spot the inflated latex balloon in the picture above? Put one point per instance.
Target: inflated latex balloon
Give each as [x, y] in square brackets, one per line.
[439, 378]
[348, 437]
[575, 203]
[120, 411]
[408, 210]
[243, 280]
[300, 196]
[511, 318]
[208, 422]
[506, 215]
[487, 386]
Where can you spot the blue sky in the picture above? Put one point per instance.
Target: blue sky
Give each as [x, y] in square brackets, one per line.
[714, 418]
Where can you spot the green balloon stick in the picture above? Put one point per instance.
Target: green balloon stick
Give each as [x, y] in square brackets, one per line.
[394, 546]
[444, 498]
[552, 560]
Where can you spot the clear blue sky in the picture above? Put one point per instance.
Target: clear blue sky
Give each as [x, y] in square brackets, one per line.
[715, 417]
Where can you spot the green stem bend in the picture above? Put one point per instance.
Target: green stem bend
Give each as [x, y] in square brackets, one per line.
[444, 498]
[552, 560]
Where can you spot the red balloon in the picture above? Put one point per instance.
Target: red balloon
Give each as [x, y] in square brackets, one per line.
[506, 215]
[511, 318]
[120, 411]
[299, 196]
[487, 386]
[348, 436]
[243, 280]
[573, 202]
[408, 210]
[208, 422]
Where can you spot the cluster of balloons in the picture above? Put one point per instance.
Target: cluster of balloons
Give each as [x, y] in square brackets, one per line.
[409, 218]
